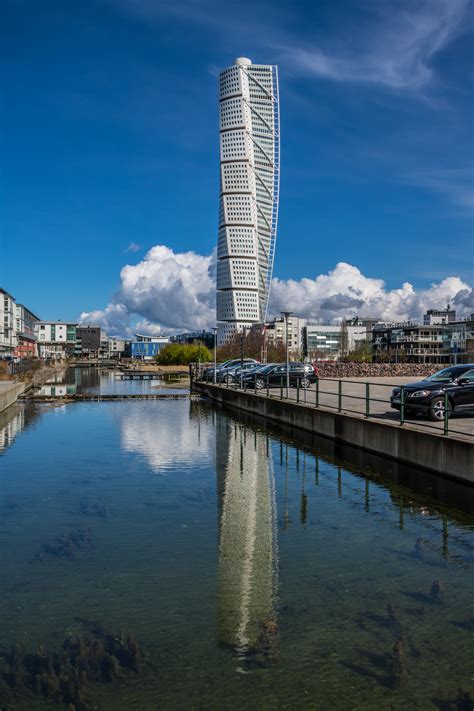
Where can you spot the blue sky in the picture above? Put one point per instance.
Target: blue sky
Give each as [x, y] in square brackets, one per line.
[109, 143]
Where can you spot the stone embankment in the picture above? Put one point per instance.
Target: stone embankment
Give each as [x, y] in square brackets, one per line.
[48, 372]
[11, 390]
[376, 370]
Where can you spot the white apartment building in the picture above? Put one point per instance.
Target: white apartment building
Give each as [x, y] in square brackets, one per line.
[249, 189]
[8, 332]
[17, 328]
[275, 333]
[116, 347]
[25, 321]
[325, 342]
[56, 339]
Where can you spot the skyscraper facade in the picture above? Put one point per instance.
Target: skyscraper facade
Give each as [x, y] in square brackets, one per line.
[249, 188]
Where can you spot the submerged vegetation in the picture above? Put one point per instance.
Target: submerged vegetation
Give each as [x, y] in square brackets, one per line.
[67, 677]
[66, 546]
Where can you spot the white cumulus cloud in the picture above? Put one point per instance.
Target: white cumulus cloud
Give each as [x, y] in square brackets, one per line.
[115, 319]
[345, 291]
[170, 291]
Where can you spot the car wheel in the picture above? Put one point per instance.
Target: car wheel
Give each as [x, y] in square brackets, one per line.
[305, 382]
[436, 411]
[227, 379]
[259, 383]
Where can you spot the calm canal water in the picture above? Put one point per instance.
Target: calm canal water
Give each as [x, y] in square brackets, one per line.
[253, 573]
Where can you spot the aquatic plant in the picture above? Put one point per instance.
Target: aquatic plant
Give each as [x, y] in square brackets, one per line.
[468, 623]
[99, 656]
[437, 591]
[263, 652]
[464, 701]
[67, 546]
[396, 663]
[94, 509]
[393, 611]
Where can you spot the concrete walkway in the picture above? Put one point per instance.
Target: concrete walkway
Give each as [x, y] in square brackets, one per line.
[353, 401]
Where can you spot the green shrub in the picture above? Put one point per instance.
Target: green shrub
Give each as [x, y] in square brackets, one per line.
[183, 353]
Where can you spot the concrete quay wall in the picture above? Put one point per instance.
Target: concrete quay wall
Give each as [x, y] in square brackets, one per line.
[9, 394]
[446, 456]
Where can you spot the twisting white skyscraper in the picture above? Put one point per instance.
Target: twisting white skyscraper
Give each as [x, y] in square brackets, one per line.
[249, 187]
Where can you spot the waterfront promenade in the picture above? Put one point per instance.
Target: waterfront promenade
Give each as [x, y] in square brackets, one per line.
[372, 426]
[353, 401]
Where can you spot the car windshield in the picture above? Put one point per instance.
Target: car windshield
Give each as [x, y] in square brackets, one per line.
[266, 368]
[445, 375]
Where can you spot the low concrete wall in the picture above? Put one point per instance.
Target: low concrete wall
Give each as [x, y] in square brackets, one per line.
[444, 455]
[10, 393]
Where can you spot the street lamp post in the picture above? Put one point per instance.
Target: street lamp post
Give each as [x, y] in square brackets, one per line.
[214, 328]
[286, 314]
[242, 344]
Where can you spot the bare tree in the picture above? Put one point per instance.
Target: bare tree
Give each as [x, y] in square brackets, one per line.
[344, 340]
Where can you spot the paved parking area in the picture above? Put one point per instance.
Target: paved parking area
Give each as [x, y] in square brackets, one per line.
[353, 401]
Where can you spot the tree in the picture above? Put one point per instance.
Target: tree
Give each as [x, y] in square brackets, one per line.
[183, 354]
[344, 340]
[249, 344]
[317, 354]
[361, 353]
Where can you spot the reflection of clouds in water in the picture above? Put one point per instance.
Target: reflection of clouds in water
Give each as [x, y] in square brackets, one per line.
[168, 434]
[248, 544]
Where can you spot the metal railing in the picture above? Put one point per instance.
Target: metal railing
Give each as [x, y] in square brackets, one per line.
[367, 399]
[23, 366]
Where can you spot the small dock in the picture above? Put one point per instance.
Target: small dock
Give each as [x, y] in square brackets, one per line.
[90, 397]
[149, 375]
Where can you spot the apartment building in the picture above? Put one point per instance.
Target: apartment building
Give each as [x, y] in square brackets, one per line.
[8, 334]
[440, 339]
[17, 328]
[332, 341]
[56, 339]
[275, 333]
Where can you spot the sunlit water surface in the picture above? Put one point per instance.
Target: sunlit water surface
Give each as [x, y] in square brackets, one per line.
[255, 574]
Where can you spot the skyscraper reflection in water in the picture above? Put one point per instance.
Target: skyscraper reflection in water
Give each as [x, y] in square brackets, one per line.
[248, 556]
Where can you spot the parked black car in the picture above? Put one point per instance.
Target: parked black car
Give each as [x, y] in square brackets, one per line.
[428, 395]
[238, 373]
[225, 367]
[274, 375]
[233, 372]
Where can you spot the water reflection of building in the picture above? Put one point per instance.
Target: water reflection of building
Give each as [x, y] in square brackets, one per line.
[247, 532]
[167, 434]
[12, 421]
[57, 390]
